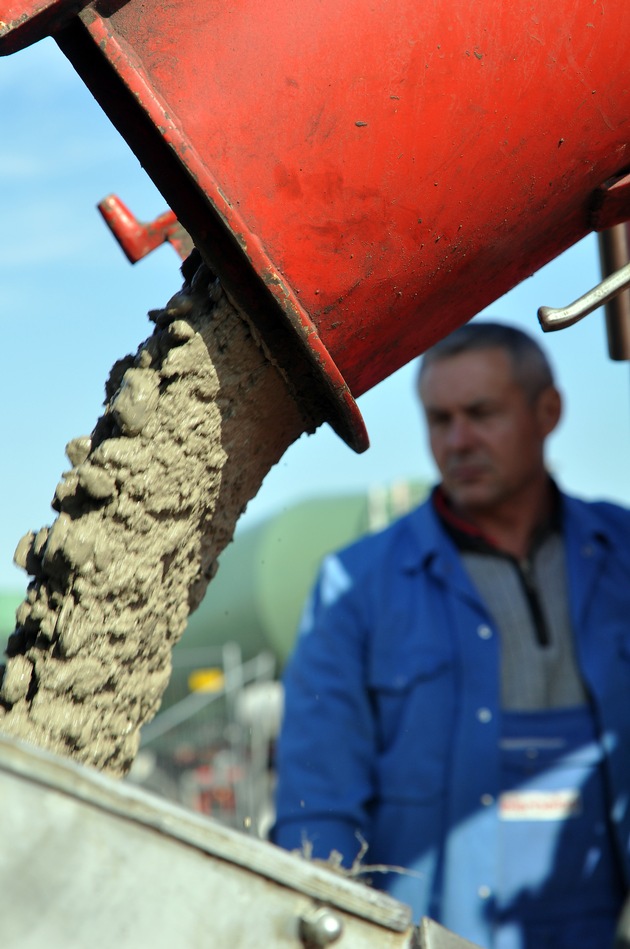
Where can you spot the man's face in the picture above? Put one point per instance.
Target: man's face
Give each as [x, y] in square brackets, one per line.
[486, 436]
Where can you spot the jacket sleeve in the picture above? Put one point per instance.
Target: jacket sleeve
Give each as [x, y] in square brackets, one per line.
[326, 748]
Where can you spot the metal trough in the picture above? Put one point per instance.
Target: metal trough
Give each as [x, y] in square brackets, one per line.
[87, 861]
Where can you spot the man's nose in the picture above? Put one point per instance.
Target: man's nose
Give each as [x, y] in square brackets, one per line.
[459, 434]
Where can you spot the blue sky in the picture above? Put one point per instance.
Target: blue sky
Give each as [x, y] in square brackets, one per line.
[70, 304]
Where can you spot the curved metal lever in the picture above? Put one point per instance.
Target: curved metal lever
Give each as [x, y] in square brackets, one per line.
[551, 319]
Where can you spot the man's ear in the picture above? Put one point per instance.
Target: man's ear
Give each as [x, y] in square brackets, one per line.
[548, 410]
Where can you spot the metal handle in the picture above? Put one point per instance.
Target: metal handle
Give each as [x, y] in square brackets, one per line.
[551, 319]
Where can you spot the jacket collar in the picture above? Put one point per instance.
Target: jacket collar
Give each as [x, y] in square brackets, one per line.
[468, 537]
[582, 520]
[434, 551]
[429, 537]
[431, 544]
[586, 534]
[587, 541]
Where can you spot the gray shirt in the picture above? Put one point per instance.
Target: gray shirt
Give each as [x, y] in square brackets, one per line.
[535, 674]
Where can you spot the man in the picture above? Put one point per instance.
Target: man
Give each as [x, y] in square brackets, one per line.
[459, 697]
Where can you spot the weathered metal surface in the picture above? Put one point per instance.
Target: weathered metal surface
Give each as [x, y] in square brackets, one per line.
[87, 861]
[364, 180]
[23, 22]
[434, 936]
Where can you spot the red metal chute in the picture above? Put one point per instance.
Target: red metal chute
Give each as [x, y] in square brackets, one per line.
[363, 177]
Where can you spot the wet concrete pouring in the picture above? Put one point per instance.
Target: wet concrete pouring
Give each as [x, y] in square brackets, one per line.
[192, 424]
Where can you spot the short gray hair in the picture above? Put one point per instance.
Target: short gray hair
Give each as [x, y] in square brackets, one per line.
[532, 370]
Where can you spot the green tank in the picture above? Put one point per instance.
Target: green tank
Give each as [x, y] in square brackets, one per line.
[264, 576]
[9, 602]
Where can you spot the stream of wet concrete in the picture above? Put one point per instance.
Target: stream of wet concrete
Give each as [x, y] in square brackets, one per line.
[192, 424]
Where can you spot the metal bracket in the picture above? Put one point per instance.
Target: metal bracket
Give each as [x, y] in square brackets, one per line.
[611, 203]
[611, 211]
[614, 253]
[139, 238]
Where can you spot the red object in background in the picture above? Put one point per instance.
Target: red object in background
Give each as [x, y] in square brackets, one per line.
[139, 238]
[362, 177]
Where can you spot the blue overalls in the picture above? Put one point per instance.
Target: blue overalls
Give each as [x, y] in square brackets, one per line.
[566, 891]
[418, 773]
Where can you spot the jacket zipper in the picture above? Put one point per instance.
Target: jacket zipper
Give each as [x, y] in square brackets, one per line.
[526, 573]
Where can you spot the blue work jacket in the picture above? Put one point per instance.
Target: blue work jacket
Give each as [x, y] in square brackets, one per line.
[393, 719]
